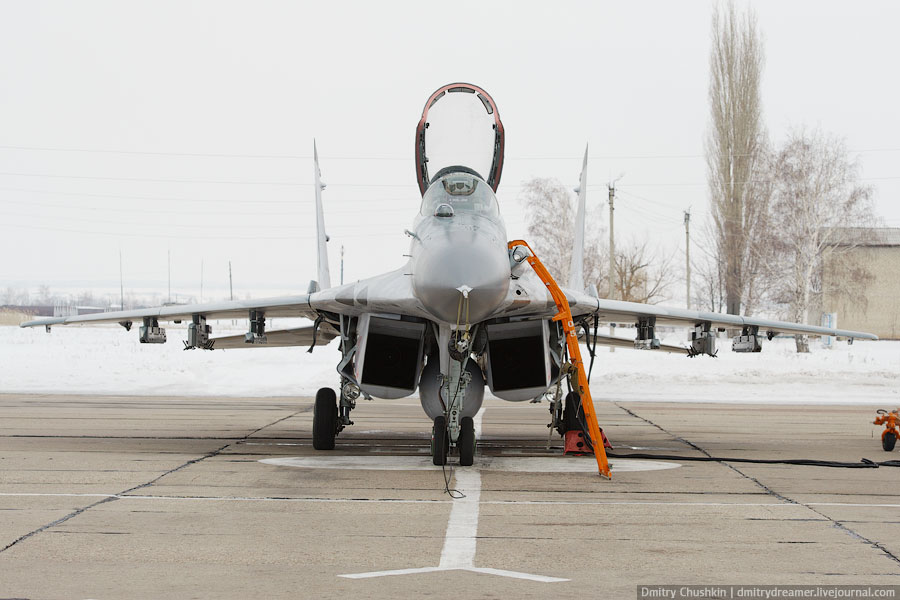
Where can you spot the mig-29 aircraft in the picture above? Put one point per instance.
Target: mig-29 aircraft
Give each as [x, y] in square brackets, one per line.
[465, 311]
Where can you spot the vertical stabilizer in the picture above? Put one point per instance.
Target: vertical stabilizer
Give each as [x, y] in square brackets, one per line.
[324, 278]
[576, 268]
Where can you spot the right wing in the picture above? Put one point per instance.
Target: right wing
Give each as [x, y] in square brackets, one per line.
[284, 306]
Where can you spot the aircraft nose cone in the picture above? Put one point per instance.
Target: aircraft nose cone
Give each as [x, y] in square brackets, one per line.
[445, 266]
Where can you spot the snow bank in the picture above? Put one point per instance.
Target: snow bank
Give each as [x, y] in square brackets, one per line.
[110, 361]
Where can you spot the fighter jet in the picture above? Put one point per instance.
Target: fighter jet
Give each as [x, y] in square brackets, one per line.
[464, 313]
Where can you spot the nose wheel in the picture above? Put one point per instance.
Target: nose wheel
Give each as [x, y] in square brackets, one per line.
[466, 443]
[440, 441]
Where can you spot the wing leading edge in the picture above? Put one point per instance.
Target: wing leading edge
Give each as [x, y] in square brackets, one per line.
[618, 311]
[283, 306]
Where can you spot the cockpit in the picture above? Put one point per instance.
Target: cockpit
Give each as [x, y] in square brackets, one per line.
[459, 190]
[460, 125]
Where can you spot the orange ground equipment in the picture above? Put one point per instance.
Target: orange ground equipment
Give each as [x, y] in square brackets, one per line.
[564, 316]
[576, 444]
[890, 420]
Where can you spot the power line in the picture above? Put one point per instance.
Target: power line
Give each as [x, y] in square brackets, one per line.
[203, 181]
[245, 202]
[183, 237]
[199, 227]
[373, 157]
[361, 185]
[182, 212]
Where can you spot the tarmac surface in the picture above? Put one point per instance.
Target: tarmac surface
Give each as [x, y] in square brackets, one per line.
[152, 497]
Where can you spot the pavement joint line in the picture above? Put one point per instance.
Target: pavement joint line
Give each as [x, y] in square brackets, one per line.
[808, 506]
[113, 498]
[426, 501]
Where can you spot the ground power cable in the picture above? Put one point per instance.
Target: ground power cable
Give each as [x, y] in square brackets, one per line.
[836, 523]
[864, 463]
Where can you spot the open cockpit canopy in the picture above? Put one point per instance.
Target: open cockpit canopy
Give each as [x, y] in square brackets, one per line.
[460, 129]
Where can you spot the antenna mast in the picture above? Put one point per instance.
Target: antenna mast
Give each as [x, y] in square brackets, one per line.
[121, 284]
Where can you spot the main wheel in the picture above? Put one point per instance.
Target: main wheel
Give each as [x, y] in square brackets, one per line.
[466, 442]
[888, 441]
[325, 419]
[440, 441]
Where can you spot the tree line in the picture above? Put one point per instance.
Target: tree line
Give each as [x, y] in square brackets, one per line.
[782, 214]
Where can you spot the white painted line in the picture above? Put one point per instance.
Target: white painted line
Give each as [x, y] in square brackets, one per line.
[54, 495]
[387, 573]
[562, 464]
[517, 575]
[462, 527]
[223, 498]
[461, 537]
[851, 504]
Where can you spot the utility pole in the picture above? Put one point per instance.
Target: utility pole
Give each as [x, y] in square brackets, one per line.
[342, 264]
[230, 286]
[612, 255]
[612, 243]
[169, 255]
[687, 253]
[201, 280]
[121, 284]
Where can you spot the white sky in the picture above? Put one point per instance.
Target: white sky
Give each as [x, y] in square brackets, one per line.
[168, 84]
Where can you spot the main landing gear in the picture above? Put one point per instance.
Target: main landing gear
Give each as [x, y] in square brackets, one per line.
[325, 419]
[440, 441]
[330, 416]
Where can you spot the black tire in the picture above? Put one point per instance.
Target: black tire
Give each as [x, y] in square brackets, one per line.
[888, 441]
[575, 420]
[440, 441]
[466, 442]
[325, 419]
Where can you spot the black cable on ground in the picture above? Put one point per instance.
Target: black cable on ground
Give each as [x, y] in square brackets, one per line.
[864, 463]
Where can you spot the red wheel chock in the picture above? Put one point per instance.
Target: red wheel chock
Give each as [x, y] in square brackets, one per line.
[578, 446]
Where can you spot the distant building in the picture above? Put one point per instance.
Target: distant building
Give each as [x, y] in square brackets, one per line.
[71, 310]
[30, 309]
[876, 252]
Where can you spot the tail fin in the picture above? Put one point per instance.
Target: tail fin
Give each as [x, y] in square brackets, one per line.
[321, 237]
[576, 268]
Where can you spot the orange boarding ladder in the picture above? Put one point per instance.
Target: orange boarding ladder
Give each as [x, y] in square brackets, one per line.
[565, 317]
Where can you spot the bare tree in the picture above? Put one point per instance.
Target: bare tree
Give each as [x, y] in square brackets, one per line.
[817, 195]
[734, 148]
[641, 275]
[44, 295]
[710, 272]
[550, 217]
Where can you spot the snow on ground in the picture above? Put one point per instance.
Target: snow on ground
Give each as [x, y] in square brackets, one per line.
[108, 360]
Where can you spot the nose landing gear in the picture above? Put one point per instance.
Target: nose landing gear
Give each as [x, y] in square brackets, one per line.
[440, 441]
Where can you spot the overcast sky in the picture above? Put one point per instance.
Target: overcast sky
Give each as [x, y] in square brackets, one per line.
[188, 126]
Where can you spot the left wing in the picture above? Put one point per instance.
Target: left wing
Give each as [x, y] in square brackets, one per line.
[617, 311]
